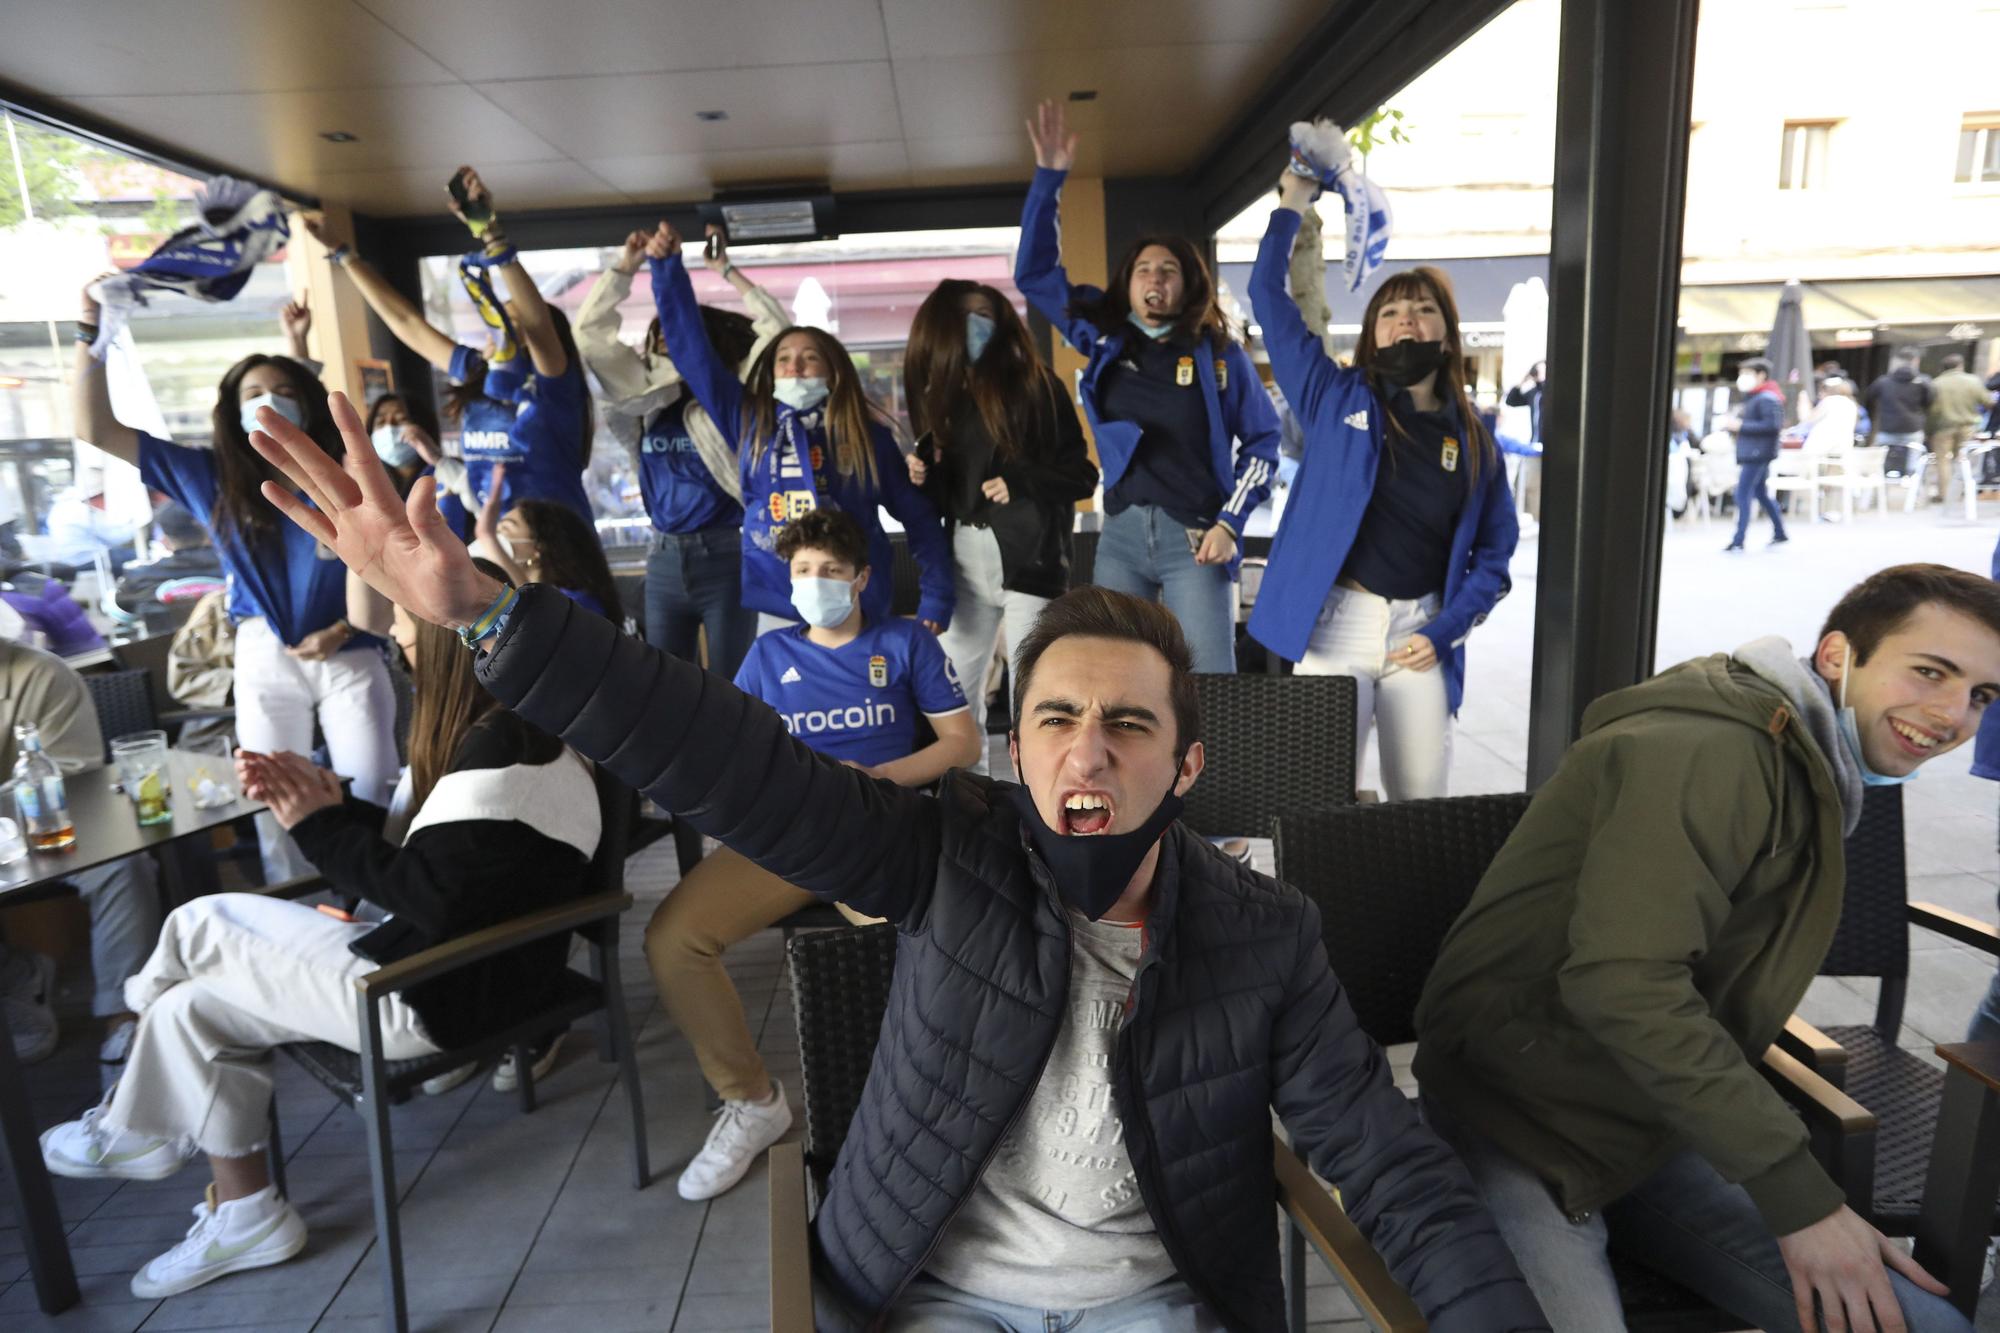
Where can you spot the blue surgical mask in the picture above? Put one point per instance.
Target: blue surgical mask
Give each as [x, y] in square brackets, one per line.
[1850, 731]
[800, 393]
[391, 447]
[1153, 331]
[823, 603]
[288, 408]
[978, 332]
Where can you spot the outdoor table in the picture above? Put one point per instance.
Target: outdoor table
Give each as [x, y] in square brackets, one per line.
[106, 830]
[1964, 1178]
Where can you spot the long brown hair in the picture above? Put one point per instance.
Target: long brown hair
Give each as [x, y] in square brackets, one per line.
[462, 394]
[239, 469]
[1005, 383]
[1420, 282]
[448, 700]
[1200, 312]
[572, 555]
[849, 413]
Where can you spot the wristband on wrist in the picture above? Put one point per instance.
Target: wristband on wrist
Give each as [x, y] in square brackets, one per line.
[490, 620]
[86, 333]
[339, 255]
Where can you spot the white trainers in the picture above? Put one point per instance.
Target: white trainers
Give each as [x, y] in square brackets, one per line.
[252, 1232]
[507, 1074]
[88, 1149]
[437, 1085]
[743, 1130]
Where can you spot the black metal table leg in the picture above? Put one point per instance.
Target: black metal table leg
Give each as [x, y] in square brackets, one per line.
[34, 1197]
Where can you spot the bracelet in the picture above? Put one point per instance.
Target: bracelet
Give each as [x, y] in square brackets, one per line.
[86, 333]
[339, 255]
[727, 269]
[489, 620]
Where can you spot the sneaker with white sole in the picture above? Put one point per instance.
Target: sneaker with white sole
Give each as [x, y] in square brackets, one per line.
[88, 1149]
[743, 1130]
[437, 1085]
[541, 1059]
[253, 1232]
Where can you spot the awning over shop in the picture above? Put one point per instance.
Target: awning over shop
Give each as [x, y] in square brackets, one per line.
[1480, 286]
[1848, 304]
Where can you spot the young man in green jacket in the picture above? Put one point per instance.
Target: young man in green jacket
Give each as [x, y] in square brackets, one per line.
[1591, 1032]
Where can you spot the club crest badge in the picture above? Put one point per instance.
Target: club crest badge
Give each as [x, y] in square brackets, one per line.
[878, 671]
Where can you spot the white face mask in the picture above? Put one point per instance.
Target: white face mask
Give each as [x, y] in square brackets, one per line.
[1747, 383]
[391, 447]
[288, 408]
[799, 392]
[823, 603]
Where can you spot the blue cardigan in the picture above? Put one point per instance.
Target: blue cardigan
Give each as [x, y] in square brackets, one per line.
[1238, 408]
[1343, 420]
[769, 502]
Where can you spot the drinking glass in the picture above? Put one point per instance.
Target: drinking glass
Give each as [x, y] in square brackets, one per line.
[141, 760]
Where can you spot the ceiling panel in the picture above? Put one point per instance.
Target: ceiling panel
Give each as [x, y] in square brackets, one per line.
[767, 107]
[80, 47]
[515, 39]
[928, 28]
[277, 135]
[593, 101]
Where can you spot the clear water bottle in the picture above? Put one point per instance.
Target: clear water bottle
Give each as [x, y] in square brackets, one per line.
[40, 801]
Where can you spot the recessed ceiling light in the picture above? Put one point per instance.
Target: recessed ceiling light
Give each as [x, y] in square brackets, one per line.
[1083, 95]
[711, 115]
[339, 136]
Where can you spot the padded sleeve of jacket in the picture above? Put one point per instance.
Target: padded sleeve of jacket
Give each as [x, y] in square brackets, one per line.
[923, 527]
[1487, 581]
[1643, 917]
[1248, 415]
[1405, 1190]
[1038, 269]
[1057, 471]
[701, 747]
[1763, 413]
[713, 384]
[1312, 381]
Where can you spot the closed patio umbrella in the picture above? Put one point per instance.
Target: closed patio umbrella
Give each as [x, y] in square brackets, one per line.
[1790, 350]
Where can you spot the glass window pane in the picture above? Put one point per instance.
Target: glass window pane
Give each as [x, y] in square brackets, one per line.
[1786, 158]
[1968, 141]
[1813, 174]
[1991, 169]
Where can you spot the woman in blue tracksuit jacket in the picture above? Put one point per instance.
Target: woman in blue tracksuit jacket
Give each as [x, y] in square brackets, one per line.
[1167, 391]
[805, 436]
[1396, 537]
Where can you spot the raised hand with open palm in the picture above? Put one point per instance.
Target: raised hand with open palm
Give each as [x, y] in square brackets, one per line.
[402, 549]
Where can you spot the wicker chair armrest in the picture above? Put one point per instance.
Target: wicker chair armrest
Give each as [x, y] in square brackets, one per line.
[1822, 1104]
[173, 717]
[791, 1253]
[1819, 1052]
[1367, 796]
[302, 887]
[1956, 926]
[1327, 1228]
[481, 944]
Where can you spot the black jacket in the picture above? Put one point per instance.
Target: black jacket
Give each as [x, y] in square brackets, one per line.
[1530, 398]
[1044, 482]
[1234, 1010]
[1899, 402]
[452, 877]
[1763, 420]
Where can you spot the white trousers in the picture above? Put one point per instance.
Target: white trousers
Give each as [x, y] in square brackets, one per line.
[1356, 634]
[982, 611]
[234, 975]
[278, 697]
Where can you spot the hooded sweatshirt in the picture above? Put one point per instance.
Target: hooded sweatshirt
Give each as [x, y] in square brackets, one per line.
[1899, 402]
[1603, 1001]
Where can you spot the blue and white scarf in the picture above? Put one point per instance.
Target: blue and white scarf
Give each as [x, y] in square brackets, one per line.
[241, 226]
[1320, 152]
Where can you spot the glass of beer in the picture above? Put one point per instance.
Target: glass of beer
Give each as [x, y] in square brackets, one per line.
[141, 760]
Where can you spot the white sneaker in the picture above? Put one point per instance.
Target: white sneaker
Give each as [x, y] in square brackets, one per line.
[743, 1130]
[439, 1084]
[253, 1232]
[87, 1149]
[507, 1075]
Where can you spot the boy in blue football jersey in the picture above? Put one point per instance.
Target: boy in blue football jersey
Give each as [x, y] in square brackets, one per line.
[850, 688]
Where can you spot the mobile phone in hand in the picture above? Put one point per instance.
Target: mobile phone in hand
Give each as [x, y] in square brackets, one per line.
[712, 247]
[472, 210]
[1195, 537]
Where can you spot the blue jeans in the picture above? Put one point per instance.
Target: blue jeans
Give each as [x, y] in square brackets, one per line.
[1750, 488]
[694, 580]
[1144, 551]
[936, 1307]
[1986, 1018]
[1684, 1221]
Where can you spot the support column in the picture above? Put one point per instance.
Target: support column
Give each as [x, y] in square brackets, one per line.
[339, 335]
[1622, 95]
[1083, 244]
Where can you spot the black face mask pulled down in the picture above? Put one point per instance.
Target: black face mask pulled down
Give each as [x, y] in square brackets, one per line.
[1091, 870]
[1405, 363]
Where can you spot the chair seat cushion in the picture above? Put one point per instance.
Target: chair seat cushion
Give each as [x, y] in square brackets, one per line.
[339, 1070]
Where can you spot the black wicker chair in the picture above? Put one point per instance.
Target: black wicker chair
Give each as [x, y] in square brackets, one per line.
[124, 703]
[840, 990]
[1389, 880]
[371, 1084]
[1274, 745]
[1863, 1060]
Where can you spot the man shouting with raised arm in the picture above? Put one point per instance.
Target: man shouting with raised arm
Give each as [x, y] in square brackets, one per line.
[1093, 1012]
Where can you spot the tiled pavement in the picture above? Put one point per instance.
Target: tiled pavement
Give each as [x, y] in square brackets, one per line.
[516, 1222]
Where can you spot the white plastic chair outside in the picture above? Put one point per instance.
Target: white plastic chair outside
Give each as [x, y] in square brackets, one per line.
[1796, 470]
[1859, 469]
[1969, 466]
